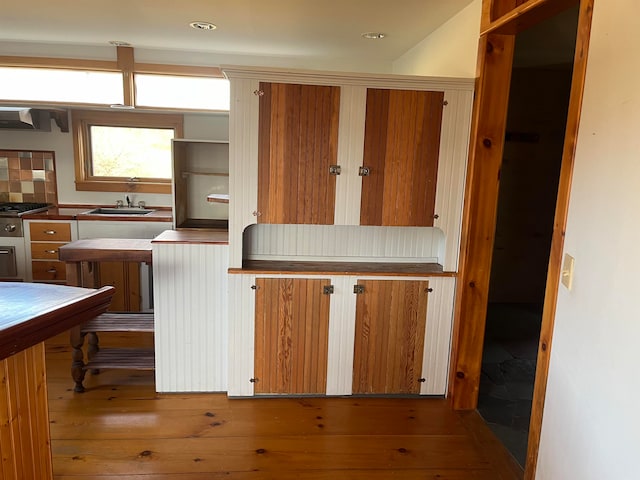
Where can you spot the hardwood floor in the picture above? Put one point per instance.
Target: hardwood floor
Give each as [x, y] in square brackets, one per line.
[120, 428]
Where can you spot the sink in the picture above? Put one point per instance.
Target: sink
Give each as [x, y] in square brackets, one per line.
[120, 211]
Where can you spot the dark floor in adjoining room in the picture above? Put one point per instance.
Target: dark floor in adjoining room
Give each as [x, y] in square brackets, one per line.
[508, 373]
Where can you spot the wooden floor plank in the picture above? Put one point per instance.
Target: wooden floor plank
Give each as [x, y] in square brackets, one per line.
[120, 428]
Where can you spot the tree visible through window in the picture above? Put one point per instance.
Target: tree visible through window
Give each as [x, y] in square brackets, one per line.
[124, 151]
[131, 152]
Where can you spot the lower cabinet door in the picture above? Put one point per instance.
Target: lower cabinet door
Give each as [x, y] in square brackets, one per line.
[389, 336]
[291, 335]
[125, 277]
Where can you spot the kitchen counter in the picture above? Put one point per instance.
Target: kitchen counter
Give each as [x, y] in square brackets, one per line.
[218, 237]
[33, 312]
[30, 314]
[79, 212]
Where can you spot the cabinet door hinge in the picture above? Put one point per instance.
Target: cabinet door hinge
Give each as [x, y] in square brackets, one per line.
[327, 289]
[364, 171]
[422, 380]
[358, 289]
[428, 290]
[335, 169]
[255, 287]
[253, 380]
[445, 103]
[258, 93]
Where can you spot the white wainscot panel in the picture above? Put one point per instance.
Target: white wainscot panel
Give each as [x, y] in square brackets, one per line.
[191, 317]
[241, 335]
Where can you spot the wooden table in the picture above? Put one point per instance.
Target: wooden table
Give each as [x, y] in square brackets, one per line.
[81, 257]
[31, 313]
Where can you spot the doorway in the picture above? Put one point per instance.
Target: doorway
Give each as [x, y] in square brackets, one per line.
[529, 176]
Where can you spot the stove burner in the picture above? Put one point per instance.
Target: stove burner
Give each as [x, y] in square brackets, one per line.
[18, 208]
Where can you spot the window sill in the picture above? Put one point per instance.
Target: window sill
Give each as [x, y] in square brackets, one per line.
[116, 186]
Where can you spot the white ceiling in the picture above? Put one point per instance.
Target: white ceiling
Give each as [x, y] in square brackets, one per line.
[327, 30]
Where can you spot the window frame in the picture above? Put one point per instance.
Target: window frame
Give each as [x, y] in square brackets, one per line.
[82, 120]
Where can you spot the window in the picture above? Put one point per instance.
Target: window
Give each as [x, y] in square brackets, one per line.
[172, 91]
[61, 86]
[124, 151]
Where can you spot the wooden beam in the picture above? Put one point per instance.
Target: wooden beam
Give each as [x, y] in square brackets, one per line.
[126, 64]
[526, 15]
[187, 70]
[479, 219]
[65, 63]
[557, 241]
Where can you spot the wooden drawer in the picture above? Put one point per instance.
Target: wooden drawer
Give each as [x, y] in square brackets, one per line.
[45, 251]
[48, 270]
[49, 231]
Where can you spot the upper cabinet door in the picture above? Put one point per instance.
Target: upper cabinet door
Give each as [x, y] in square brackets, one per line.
[297, 144]
[401, 148]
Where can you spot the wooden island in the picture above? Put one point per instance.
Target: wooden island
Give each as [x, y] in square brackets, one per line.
[30, 314]
[83, 259]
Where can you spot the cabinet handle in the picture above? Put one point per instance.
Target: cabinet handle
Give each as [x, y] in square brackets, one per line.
[52, 270]
[50, 232]
[52, 252]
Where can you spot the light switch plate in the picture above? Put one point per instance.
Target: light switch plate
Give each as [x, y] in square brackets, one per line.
[567, 271]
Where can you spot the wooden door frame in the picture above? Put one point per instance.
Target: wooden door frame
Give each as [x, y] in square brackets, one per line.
[501, 21]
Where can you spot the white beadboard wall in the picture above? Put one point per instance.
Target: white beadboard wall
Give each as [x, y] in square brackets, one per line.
[437, 338]
[452, 168]
[191, 317]
[353, 103]
[342, 311]
[243, 163]
[343, 243]
[242, 313]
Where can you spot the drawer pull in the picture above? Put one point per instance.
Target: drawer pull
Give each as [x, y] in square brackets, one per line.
[52, 270]
[52, 252]
[50, 232]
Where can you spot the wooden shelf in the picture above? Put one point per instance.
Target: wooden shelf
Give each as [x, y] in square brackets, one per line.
[218, 198]
[123, 358]
[120, 322]
[212, 174]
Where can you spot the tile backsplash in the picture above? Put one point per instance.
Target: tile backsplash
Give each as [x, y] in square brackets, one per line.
[28, 176]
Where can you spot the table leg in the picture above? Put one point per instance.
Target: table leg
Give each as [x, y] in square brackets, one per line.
[77, 359]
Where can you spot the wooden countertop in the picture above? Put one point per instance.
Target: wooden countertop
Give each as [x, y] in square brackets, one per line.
[342, 268]
[106, 250]
[79, 212]
[218, 237]
[33, 312]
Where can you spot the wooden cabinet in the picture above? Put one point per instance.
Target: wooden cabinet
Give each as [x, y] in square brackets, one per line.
[286, 336]
[401, 150]
[125, 276]
[399, 143]
[45, 238]
[291, 334]
[297, 145]
[298, 155]
[389, 336]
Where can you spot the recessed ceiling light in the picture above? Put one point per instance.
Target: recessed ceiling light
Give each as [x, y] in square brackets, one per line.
[373, 35]
[203, 25]
[118, 43]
